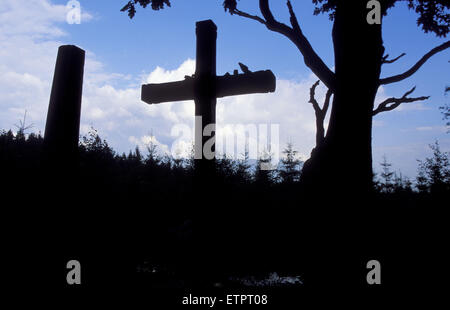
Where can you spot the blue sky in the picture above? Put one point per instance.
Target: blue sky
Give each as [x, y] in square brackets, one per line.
[160, 46]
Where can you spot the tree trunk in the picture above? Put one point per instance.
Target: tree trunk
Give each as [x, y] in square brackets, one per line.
[320, 130]
[343, 162]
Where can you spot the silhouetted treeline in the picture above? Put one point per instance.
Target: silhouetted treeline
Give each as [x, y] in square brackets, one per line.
[135, 173]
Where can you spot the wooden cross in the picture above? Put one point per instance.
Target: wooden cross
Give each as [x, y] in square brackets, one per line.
[204, 87]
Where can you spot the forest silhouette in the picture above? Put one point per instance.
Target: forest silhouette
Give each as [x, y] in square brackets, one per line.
[139, 211]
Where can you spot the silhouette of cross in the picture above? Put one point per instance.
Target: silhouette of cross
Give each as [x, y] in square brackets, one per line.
[204, 87]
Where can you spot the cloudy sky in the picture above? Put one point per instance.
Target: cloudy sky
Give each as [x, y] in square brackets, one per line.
[159, 46]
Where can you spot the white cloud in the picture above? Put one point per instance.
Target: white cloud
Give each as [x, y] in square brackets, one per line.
[160, 75]
[432, 128]
[29, 41]
[145, 141]
[424, 128]
[288, 107]
[35, 18]
[377, 123]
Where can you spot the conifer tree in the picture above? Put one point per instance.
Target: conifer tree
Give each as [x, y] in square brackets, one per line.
[290, 165]
[264, 172]
[386, 176]
[434, 172]
[242, 168]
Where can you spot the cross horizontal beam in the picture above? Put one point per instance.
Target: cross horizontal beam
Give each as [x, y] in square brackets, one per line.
[226, 85]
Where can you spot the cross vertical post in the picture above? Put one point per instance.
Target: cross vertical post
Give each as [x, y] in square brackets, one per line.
[205, 99]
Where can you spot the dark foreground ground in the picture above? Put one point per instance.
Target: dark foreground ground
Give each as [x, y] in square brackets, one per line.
[190, 243]
[163, 240]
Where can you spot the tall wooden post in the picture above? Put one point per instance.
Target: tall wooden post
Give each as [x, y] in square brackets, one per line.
[63, 118]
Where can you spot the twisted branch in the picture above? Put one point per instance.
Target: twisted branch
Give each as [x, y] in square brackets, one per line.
[392, 103]
[296, 36]
[320, 112]
[413, 69]
[389, 61]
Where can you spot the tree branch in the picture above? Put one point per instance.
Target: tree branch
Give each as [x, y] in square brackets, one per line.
[293, 18]
[246, 15]
[312, 98]
[311, 59]
[319, 112]
[395, 102]
[413, 69]
[295, 34]
[389, 61]
[326, 104]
